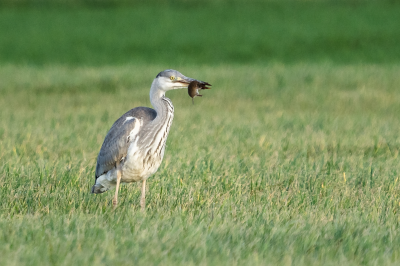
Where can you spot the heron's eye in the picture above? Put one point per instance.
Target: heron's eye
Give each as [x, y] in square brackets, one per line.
[172, 77]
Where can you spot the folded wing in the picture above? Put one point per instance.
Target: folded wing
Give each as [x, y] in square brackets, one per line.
[119, 137]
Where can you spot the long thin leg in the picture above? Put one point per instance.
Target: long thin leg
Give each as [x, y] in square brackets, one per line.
[115, 200]
[142, 199]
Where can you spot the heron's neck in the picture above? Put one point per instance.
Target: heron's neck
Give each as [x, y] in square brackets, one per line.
[161, 104]
[159, 127]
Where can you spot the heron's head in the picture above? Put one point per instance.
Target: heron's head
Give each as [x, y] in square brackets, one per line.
[171, 79]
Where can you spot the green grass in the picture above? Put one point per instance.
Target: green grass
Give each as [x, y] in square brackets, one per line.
[274, 164]
[291, 159]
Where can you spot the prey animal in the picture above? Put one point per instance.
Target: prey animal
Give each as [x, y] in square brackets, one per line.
[194, 88]
[134, 147]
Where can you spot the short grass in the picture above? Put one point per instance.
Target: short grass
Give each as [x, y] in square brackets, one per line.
[274, 165]
[291, 159]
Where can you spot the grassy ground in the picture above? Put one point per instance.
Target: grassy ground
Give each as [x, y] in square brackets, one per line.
[287, 163]
[301, 164]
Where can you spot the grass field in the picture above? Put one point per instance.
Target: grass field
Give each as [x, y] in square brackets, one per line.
[286, 161]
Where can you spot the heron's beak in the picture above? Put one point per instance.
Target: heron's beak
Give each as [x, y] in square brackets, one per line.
[185, 81]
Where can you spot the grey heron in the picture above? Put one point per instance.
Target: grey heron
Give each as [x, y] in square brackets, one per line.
[134, 147]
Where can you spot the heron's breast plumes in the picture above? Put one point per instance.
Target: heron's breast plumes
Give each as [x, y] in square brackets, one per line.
[146, 153]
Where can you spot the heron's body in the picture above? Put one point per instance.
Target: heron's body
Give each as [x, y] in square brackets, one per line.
[134, 126]
[134, 147]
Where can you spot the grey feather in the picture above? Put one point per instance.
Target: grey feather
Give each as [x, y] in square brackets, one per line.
[116, 144]
[170, 72]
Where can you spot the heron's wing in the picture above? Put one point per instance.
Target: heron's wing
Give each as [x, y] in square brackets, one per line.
[116, 144]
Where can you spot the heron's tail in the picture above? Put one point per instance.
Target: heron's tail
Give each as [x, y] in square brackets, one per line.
[98, 188]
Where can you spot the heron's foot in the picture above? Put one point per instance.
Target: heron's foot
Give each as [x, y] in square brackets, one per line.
[115, 203]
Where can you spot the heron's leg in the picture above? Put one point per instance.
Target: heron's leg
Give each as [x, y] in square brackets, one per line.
[142, 199]
[115, 200]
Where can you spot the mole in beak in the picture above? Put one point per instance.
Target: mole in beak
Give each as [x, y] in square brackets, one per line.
[195, 86]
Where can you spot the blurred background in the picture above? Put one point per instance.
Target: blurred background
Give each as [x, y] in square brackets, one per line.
[204, 32]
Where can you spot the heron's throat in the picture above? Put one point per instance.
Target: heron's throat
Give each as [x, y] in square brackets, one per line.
[156, 94]
[162, 105]
[162, 123]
